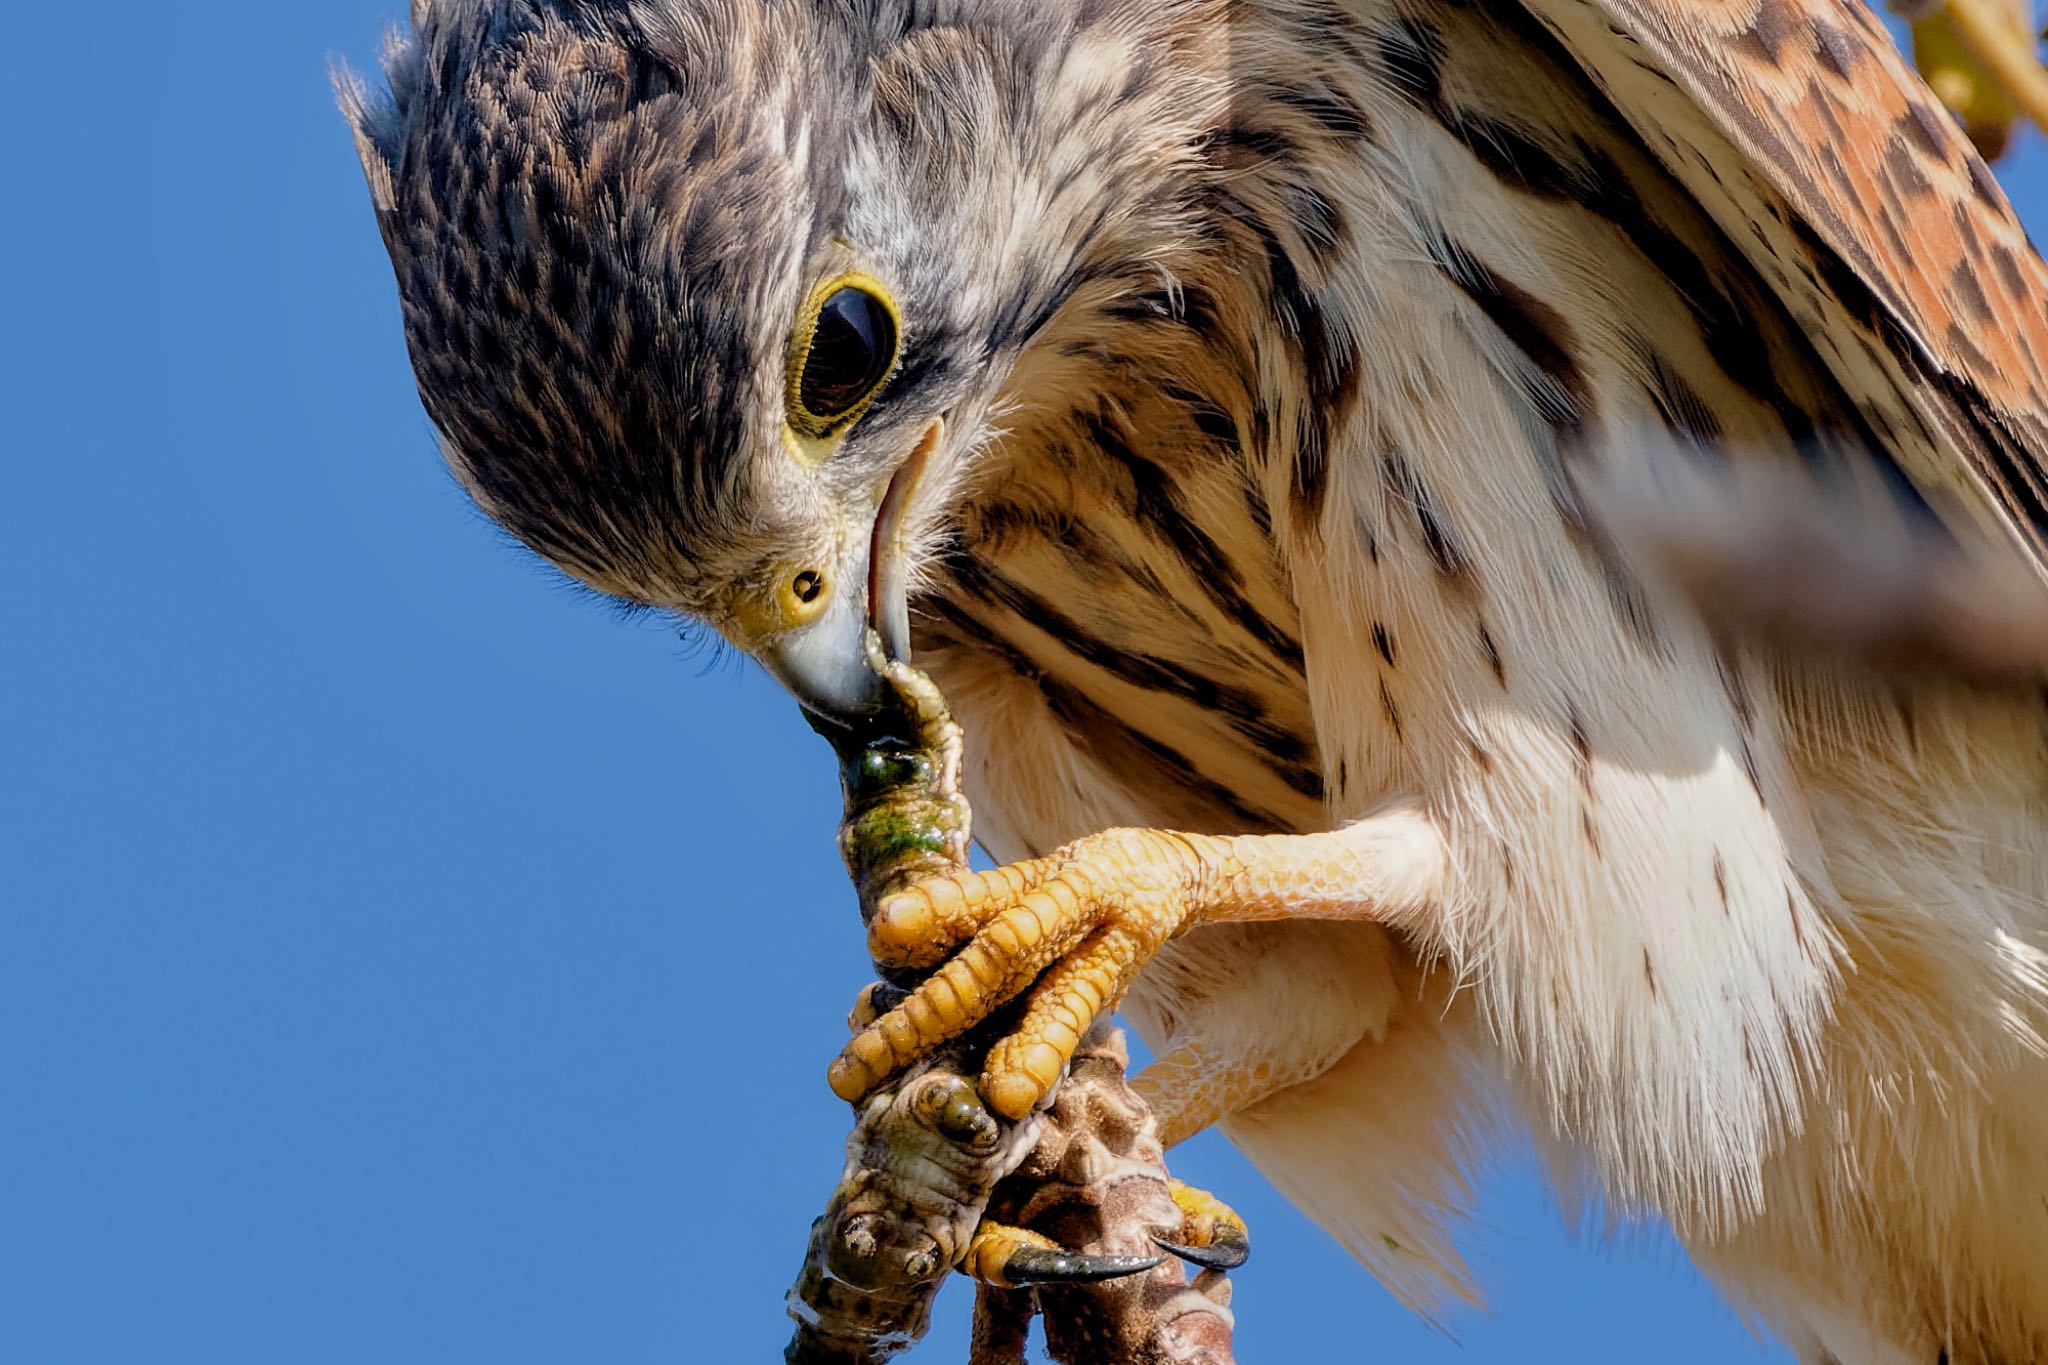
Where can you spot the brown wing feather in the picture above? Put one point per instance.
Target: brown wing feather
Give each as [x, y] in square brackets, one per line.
[1804, 132]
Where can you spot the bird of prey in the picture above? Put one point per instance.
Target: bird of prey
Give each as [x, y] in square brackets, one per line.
[1207, 390]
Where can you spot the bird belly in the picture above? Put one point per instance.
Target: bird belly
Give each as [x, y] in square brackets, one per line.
[1739, 945]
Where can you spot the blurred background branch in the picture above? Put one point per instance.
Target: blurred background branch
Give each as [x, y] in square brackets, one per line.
[1982, 59]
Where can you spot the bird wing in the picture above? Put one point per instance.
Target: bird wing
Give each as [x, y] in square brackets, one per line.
[1826, 160]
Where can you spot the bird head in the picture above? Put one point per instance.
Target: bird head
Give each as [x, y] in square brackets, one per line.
[713, 302]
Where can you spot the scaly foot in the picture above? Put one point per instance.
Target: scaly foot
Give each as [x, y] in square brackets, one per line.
[1079, 923]
[1069, 932]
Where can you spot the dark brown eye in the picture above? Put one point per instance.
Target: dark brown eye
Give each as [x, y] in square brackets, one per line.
[853, 345]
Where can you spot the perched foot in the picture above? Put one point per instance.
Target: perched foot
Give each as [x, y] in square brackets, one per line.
[1079, 924]
[1212, 1236]
[1011, 1258]
[1069, 932]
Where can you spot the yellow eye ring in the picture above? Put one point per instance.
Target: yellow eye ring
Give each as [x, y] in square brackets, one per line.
[844, 349]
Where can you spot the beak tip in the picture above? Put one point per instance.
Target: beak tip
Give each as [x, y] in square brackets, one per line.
[839, 699]
[824, 665]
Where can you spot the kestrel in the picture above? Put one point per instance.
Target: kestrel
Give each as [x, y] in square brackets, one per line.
[1209, 391]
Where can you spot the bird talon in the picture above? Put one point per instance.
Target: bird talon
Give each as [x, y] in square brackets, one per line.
[1216, 1238]
[1222, 1256]
[1012, 1258]
[876, 999]
[922, 924]
[1078, 924]
[1031, 1267]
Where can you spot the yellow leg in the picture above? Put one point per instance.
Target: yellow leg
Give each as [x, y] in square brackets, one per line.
[1190, 1089]
[1094, 913]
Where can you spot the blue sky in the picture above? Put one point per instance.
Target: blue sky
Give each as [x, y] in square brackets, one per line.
[401, 957]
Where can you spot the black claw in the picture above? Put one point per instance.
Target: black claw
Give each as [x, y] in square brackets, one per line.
[1227, 1252]
[1035, 1265]
[883, 996]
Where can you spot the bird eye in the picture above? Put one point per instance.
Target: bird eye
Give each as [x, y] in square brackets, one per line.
[844, 352]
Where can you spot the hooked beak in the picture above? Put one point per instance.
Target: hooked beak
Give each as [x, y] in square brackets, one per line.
[824, 663]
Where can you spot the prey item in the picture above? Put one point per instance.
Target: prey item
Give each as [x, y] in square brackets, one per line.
[927, 1160]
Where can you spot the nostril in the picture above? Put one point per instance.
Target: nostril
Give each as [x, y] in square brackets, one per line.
[808, 585]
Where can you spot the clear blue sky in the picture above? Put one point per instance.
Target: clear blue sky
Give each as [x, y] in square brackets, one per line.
[377, 916]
